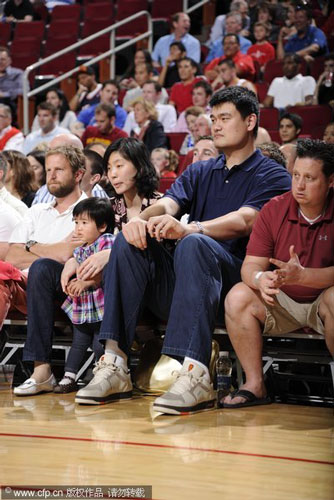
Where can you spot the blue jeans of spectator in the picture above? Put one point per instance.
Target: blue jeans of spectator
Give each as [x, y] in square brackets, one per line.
[84, 336]
[184, 287]
[43, 291]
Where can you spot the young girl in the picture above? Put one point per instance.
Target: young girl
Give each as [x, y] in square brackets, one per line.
[94, 221]
[165, 162]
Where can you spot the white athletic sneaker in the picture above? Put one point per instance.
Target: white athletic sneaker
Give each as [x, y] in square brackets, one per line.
[30, 387]
[110, 383]
[191, 392]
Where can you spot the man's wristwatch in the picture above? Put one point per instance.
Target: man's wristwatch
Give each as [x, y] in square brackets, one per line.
[257, 277]
[29, 244]
[199, 226]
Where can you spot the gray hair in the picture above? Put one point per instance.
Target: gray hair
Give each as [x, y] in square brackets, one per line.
[236, 15]
[7, 110]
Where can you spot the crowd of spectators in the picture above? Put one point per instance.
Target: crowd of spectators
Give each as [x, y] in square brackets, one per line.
[112, 139]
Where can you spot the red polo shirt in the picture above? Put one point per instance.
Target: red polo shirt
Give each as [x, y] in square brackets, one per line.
[93, 134]
[181, 94]
[244, 63]
[279, 225]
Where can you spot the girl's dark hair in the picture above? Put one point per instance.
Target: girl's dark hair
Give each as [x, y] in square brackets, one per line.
[97, 209]
[64, 107]
[39, 156]
[24, 177]
[137, 153]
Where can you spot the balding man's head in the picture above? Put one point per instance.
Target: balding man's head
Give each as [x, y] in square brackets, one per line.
[65, 140]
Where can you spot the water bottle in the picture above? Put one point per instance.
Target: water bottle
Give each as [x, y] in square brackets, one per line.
[329, 79]
[224, 372]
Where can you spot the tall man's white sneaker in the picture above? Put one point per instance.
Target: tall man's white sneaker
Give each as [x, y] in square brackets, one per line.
[110, 383]
[30, 387]
[191, 392]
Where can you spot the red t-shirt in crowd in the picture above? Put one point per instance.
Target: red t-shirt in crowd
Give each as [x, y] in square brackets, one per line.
[181, 94]
[244, 63]
[93, 134]
[262, 52]
[280, 225]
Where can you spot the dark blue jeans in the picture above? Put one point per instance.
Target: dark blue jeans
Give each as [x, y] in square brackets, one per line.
[184, 287]
[84, 336]
[43, 291]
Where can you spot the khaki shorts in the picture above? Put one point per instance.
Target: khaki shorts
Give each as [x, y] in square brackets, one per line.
[288, 315]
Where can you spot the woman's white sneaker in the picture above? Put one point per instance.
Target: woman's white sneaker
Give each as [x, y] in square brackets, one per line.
[30, 387]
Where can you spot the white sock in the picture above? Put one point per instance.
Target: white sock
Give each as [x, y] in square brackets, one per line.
[187, 361]
[66, 381]
[113, 349]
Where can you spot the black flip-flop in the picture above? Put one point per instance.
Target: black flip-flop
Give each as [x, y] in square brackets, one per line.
[251, 399]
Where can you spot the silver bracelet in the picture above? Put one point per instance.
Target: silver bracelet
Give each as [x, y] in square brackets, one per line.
[199, 226]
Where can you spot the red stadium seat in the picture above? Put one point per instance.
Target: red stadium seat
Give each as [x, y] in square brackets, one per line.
[164, 9]
[66, 12]
[262, 89]
[100, 10]
[315, 118]
[5, 33]
[165, 184]
[33, 29]
[129, 7]
[63, 28]
[176, 139]
[269, 118]
[59, 65]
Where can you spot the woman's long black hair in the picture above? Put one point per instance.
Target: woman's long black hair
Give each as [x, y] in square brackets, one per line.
[137, 153]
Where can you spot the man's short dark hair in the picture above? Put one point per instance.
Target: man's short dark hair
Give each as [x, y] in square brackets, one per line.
[204, 138]
[296, 57]
[232, 34]
[317, 150]
[111, 82]
[46, 106]
[329, 57]
[192, 62]
[296, 119]
[179, 45]
[272, 150]
[5, 49]
[305, 8]
[107, 108]
[243, 99]
[96, 161]
[228, 62]
[204, 85]
[156, 84]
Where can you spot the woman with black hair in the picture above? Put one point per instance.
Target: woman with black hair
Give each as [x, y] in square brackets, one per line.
[141, 56]
[66, 117]
[36, 159]
[134, 182]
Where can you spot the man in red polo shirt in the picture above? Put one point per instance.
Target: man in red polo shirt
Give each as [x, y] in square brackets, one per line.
[105, 130]
[244, 63]
[181, 92]
[293, 235]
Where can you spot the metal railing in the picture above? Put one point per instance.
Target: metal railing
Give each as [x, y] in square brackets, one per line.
[111, 52]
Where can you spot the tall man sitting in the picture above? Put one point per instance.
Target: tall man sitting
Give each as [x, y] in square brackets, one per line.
[223, 197]
[294, 232]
